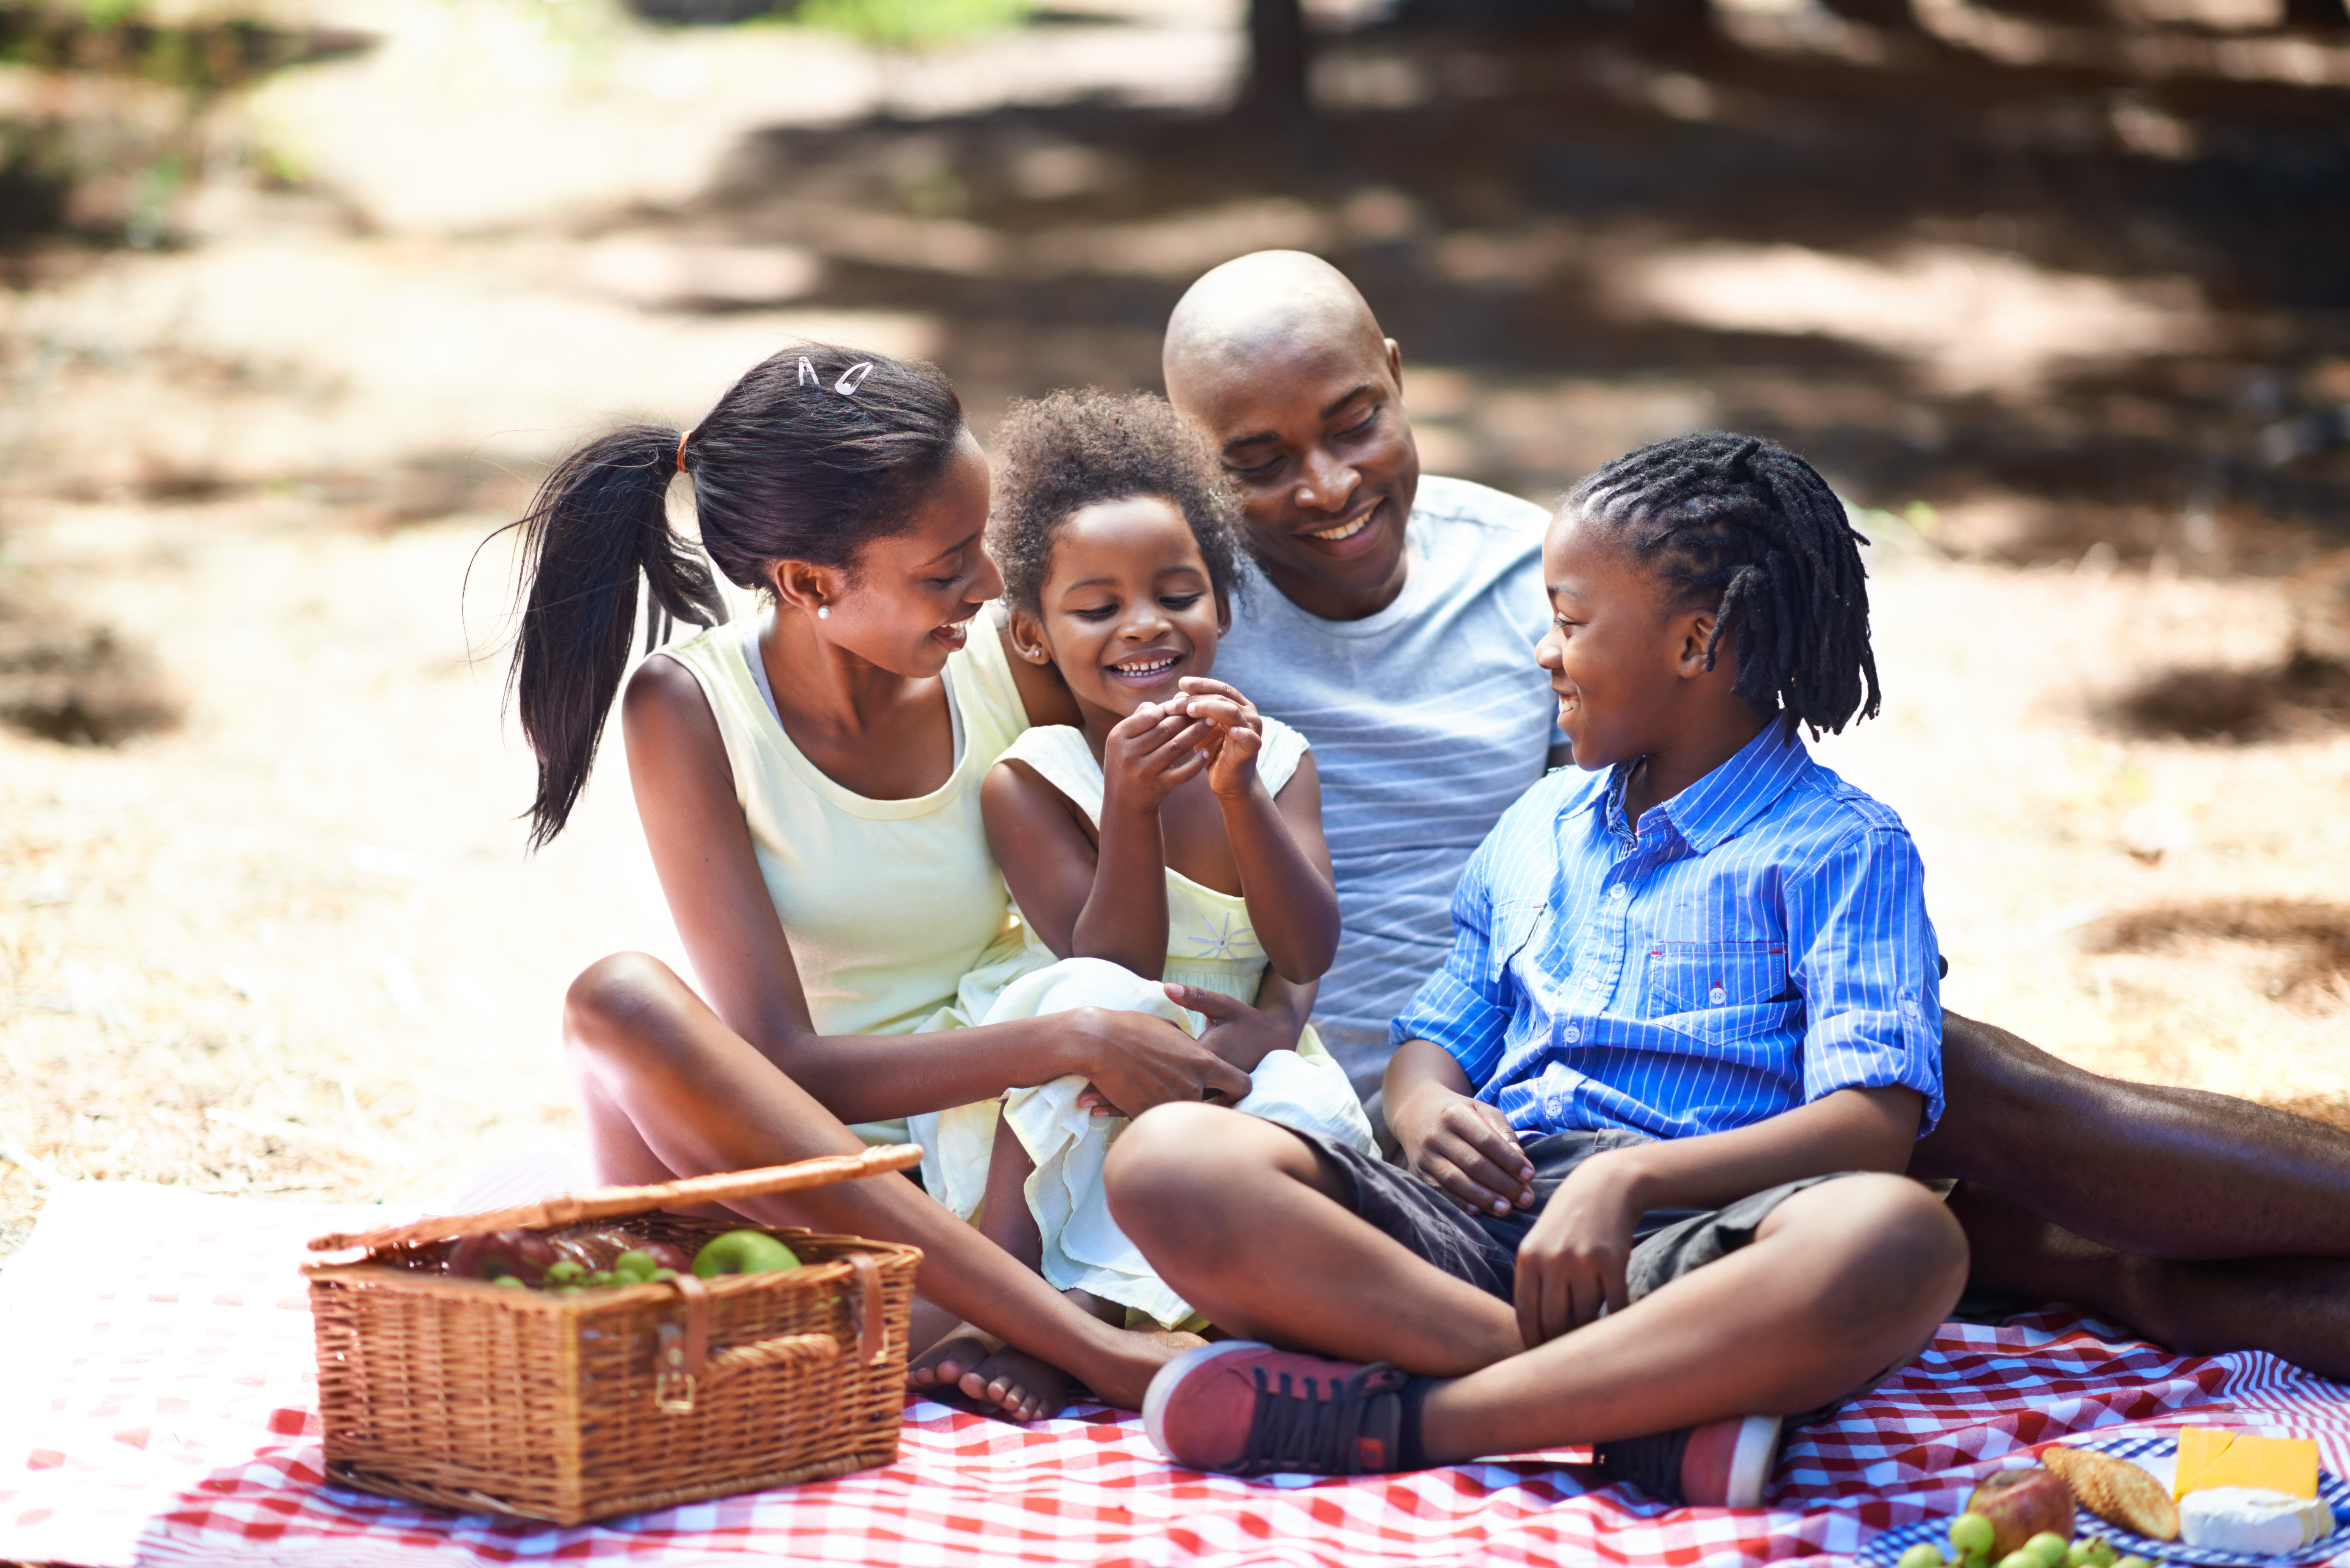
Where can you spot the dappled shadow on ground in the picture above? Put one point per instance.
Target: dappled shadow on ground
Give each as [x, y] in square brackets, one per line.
[2310, 939]
[2081, 290]
[2307, 694]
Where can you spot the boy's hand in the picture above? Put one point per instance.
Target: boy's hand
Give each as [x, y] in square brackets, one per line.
[1466, 1149]
[1572, 1264]
[1148, 755]
[1236, 733]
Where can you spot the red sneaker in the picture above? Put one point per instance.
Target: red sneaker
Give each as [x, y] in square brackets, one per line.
[1720, 1464]
[1247, 1410]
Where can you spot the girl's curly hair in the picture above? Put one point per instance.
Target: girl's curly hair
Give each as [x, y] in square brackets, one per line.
[1074, 450]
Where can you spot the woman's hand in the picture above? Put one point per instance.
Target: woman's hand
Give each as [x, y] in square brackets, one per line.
[1147, 755]
[1572, 1264]
[1464, 1148]
[1234, 738]
[1236, 1032]
[1137, 1060]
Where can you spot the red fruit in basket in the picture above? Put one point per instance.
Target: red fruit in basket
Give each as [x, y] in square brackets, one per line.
[667, 1255]
[525, 1254]
[2020, 1504]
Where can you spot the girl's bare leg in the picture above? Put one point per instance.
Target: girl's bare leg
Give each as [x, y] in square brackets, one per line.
[1842, 1281]
[1025, 1387]
[670, 1091]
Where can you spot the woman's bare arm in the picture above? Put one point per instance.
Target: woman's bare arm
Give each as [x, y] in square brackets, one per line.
[702, 850]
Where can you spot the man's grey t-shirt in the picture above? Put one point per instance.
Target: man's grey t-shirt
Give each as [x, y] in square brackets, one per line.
[1427, 719]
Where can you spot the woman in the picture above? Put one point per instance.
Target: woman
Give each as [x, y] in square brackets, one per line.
[808, 784]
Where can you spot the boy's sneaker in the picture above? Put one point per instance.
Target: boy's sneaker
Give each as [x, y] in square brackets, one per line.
[1247, 1410]
[1720, 1464]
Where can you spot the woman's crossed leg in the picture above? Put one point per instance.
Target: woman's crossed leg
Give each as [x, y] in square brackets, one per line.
[668, 1090]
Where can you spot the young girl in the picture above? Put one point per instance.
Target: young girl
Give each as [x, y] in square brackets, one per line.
[1175, 836]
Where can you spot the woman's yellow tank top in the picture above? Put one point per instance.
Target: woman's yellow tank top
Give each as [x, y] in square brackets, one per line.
[888, 904]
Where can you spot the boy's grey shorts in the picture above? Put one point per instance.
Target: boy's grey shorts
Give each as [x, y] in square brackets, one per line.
[1483, 1249]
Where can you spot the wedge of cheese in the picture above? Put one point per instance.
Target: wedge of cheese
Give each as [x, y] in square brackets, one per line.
[2213, 1457]
[2250, 1518]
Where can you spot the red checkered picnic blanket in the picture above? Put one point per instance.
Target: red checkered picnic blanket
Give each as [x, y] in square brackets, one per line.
[157, 1407]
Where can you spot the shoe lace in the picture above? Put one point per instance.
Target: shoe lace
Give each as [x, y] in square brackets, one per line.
[1305, 1428]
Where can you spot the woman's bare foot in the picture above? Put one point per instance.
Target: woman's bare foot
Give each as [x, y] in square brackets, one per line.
[972, 1366]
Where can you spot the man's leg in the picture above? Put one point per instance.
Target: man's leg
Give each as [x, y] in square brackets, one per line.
[2158, 1172]
[2297, 1308]
[1242, 1218]
[669, 1090]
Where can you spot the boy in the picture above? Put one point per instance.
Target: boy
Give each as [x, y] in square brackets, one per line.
[1656, 1098]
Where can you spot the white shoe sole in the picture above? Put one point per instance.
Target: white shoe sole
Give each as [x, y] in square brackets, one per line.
[1752, 1459]
[1163, 1382]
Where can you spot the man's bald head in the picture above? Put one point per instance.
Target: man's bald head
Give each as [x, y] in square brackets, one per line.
[1266, 306]
[1278, 359]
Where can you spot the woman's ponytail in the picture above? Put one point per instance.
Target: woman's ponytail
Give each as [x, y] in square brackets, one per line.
[812, 455]
[597, 522]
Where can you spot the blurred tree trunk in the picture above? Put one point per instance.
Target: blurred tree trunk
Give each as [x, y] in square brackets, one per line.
[2331, 15]
[1276, 78]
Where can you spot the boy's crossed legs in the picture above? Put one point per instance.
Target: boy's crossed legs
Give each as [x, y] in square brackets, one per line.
[1843, 1281]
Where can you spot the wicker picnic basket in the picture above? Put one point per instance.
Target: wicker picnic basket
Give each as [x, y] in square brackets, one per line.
[468, 1395]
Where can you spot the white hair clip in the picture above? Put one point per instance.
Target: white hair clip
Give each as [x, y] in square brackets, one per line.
[853, 377]
[807, 373]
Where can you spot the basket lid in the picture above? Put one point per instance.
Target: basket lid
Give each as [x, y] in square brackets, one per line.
[608, 1202]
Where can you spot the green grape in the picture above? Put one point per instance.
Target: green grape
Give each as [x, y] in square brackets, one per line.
[2102, 1553]
[2079, 1554]
[509, 1280]
[2133, 1560]
[1925, 1555]
[2049, 1547]
[566, 1273]
[1971, 1535]
[2020, 1558]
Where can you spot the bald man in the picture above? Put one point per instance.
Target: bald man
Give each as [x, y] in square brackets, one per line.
[1392, 618]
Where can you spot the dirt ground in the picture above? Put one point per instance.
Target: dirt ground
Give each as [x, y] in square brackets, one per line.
[2057, 296]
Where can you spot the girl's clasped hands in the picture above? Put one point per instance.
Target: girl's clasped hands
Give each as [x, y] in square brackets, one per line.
[1161, 746]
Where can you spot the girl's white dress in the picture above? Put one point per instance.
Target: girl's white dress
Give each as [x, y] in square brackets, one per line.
[1209, 944]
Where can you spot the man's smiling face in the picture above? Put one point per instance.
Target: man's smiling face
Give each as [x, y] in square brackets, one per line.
[1311, 424]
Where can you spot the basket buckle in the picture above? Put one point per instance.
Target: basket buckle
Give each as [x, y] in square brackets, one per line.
[673, 1385]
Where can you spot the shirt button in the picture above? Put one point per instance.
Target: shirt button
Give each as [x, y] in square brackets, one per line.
[1573, 1034]
[1617, 891]
[1717, 996]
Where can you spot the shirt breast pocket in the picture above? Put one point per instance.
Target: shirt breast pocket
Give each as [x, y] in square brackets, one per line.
[1699, 977]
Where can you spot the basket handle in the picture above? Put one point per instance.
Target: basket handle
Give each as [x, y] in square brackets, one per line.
[682, 1362]
[608, 1202]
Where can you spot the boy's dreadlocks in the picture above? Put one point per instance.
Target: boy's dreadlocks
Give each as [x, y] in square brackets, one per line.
[1752, 532]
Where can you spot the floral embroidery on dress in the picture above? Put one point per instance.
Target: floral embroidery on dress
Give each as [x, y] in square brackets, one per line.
[1222, 942]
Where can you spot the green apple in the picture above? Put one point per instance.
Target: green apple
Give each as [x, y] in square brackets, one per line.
[742, 1252]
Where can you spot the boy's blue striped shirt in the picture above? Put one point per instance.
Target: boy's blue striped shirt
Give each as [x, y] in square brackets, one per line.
[1762, 942]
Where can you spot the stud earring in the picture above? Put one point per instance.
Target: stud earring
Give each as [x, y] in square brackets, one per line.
[824, 612]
